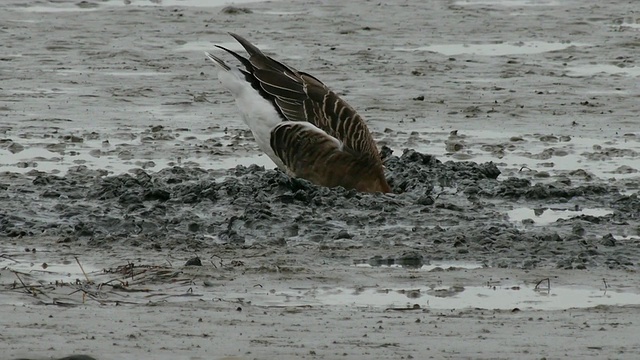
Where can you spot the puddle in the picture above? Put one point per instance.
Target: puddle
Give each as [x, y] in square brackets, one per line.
[446, 298]
[417, 264]
[149, 283]
[480, 297]
[134, 148]
[41, 266]
[541, 154]
[43, 160]
[519, 48]
[94, 6]
[118, 155]
[634, 238]
[594, 69]
[627, 25]
[545, 216]
[451, 265]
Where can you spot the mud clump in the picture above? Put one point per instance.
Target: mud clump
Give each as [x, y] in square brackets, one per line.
[417, 172]
[234, 10]
[450, 210]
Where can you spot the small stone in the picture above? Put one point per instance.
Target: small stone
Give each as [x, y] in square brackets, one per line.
[195, 261]
[233, 10]
[425, 200]
[577, 229]
[344, 234]
[608, 240]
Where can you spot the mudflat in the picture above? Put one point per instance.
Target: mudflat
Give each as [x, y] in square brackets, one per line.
[139, 220]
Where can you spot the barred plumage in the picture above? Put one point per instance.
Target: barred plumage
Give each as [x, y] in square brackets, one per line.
[303, 126]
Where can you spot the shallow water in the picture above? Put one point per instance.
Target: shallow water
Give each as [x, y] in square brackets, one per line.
[500, 49]
[44, 266]
[431, 266]
[442, 297]
[123, 152]
[544, 216]
[541, 155]
[538, 155]
[602, 69]
[40, 266]
[455, 297]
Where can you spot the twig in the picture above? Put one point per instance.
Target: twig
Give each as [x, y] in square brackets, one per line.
[221, 261]
[5, 256]
[86, 294]
[24, 286]
[438, 194]
[121, 283]
[81, 268]
[540, 282]
[30, 289]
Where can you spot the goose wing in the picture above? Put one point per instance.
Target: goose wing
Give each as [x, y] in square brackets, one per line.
[298, 96]
[310, 153]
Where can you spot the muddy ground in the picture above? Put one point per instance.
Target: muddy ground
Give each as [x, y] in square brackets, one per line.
[510, 135]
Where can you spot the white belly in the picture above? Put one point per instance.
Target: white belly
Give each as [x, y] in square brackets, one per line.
[258, 113]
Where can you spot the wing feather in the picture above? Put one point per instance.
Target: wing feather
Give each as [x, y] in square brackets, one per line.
[299, 96]
[321, 138]
[310, 153]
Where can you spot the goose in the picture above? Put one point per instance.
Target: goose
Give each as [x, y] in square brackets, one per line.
[306, 129]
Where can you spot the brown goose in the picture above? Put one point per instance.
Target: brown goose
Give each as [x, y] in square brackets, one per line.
[303, 126]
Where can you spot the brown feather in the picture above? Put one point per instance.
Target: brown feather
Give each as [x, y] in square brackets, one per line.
[338, 150]
[313, 155]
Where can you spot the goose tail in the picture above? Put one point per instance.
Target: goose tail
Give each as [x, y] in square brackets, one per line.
[216, 60]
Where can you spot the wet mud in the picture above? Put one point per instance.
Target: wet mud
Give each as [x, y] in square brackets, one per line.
[443, 210]
[138, 218]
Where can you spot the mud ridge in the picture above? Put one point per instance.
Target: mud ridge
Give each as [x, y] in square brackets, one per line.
[446, 209]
